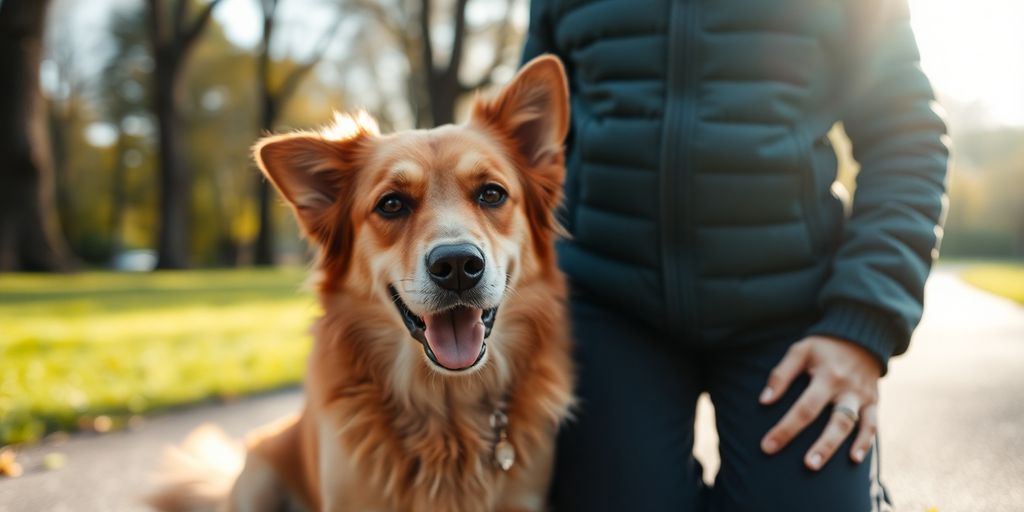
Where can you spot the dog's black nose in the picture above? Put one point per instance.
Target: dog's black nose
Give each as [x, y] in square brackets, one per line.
[456, 267]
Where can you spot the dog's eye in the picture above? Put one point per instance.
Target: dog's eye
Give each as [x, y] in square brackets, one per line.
[492, 195]
[392, 206]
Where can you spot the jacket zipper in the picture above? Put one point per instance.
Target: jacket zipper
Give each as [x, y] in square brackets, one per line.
[812, 212]
[677, 257]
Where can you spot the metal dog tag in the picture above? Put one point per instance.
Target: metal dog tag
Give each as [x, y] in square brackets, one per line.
[504, 454]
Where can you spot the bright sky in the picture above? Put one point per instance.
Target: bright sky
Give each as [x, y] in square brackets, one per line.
[241, 20]
[974, 52]
[242, 24]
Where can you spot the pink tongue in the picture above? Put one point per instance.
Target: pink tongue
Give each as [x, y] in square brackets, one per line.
[455, 336]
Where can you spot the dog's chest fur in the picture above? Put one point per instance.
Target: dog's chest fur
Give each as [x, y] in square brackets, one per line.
[411, 461]
[432, 448]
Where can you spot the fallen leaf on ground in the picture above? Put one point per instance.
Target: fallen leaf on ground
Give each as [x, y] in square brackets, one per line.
[54, 461]
[102, 424]
[9, 467]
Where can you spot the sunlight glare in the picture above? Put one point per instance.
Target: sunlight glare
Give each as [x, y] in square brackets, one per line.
[974, 53]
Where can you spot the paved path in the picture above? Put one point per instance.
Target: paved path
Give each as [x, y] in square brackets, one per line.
[108, 473]
[952, 418]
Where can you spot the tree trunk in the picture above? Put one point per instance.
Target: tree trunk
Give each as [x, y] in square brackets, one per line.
[171, 45]
[1020, 236]
[443, 86]
[175, 185]
[118, 197]
[29, 234]
[272, 101]
[61, 121]
[263, 252]
[444, 93]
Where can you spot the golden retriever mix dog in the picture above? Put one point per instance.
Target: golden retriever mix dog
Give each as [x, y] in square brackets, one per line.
[441, 369]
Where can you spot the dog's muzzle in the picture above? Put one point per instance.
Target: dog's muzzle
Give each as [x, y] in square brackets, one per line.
[453, 338]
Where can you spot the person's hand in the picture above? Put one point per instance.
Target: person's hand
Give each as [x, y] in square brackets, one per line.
[842, 373]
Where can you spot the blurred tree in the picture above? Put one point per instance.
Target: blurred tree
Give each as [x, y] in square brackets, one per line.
[29, 235]
[127, 95]
[986, 217]
[65, 106]
[218, 129]
[436, 80]
[171, 41]
[272, 98]
[101, 86]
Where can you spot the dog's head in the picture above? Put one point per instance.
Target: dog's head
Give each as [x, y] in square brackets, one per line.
[440, 222]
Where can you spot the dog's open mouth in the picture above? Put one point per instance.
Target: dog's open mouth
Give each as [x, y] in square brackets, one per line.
[453, 338]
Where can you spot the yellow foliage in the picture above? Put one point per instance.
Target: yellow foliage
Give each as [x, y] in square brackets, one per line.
[1006, 280]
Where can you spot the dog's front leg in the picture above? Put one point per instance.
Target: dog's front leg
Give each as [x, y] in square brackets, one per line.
[527, 488]
[342, 487]
[334, 474]
[258, 488]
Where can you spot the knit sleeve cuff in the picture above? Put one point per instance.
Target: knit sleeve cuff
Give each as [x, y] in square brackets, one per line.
[860, 324]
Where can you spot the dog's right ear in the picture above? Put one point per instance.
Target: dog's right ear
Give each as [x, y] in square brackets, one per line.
[311, 170]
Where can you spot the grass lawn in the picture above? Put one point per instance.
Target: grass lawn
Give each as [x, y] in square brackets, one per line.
[74, 348]
[1001, 279]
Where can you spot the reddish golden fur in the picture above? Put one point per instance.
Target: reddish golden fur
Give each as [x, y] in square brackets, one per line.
[381, 428]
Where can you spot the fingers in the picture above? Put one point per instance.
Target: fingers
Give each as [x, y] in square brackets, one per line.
[838, 371]
[791, 366]
[804, 411]
[866, 435]
[839, 426]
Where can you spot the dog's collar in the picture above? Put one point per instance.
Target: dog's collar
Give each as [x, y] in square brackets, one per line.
[503, 452]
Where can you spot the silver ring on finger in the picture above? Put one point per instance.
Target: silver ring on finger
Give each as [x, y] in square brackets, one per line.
[848, 406]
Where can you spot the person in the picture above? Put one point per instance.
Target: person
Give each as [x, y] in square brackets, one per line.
[710, 251]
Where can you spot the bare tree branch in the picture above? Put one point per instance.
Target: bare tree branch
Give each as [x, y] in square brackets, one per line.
[272, 102]
[196, 28]
[267, 105]
[269, 7]
[178, 19]
[425, 40]
[501, 41]
[381, 15]
[458, 41]
[434, 86]
[294, 78]
[156, 25]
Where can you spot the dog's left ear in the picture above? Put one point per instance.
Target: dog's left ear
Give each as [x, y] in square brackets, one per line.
[532, 111]
[312, 170]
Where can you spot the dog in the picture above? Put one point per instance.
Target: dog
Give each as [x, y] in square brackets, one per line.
[441, 368]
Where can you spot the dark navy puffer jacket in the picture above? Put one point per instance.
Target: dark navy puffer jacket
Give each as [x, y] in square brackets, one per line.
[699, 189]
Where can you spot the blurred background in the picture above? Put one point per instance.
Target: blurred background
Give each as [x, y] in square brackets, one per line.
[145, 264]
[125, 140]
[148, 109]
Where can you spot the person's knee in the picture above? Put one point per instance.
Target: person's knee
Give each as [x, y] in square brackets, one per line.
[786, 485]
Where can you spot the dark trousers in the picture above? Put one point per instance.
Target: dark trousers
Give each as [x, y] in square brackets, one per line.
[630, 447]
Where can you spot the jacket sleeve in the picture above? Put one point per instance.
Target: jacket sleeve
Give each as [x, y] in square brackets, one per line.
[874, 295]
